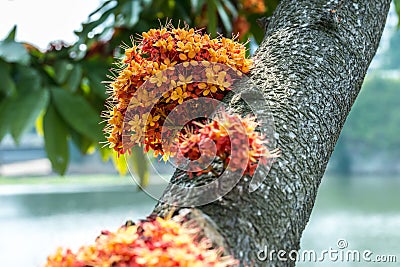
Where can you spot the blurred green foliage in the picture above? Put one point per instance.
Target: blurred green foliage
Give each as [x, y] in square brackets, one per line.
[61, 88]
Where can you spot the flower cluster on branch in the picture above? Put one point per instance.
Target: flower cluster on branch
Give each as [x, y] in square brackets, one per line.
[167, 242]
[160, 50]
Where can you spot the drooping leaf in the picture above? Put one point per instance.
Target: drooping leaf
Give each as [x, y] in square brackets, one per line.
[27, 79]
[56, 140]
[12, 51]
[138, 162]
[6, 116]
[84, 144]
[131, 10]
[27, 108]
[78, 113]
[120, 163]
[74, 78]
[7, 85]
[212, 18]
[224, 17]
[62, 69]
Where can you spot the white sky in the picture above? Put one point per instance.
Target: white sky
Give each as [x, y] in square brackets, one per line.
[42, 21]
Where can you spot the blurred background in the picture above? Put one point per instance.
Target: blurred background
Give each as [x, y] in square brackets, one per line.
[59, 186]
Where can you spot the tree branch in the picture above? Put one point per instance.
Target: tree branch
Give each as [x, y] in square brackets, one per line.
[310, 74]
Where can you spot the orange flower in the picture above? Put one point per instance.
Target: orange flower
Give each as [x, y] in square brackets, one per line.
[160, 50]
[149, 243]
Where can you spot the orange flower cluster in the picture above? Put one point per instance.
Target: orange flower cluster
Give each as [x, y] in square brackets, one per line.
[153, 242]
[235, 140]
[156, 54]
[254, 6]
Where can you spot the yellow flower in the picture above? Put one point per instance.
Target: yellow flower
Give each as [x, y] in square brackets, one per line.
[178, 94]
[158, 79]
[183, 81]
[151, 119]
[210, 89]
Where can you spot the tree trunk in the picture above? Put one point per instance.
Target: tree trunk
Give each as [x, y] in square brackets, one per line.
[310, 69]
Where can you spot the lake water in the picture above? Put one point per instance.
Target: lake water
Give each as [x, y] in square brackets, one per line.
[35, 220]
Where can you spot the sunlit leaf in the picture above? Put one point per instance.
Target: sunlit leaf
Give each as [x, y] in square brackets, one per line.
[120, 163]
[138, 161]
[78, 113]
[55, 140]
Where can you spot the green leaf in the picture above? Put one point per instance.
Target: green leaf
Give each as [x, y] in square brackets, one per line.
[74, 78]
[212, 18]
[83, 143]
[138, 162]
[230, 7]
[7, 85]
[100, 8]
[55, 140]
[62, 69]
[132, 10]
[397, 6]
[27, 108]
[12, 51]
[224, 17]
[27, 79]
[96, 71]
[6, 116]
[120, 163]
[11, 35]
[105, 153]
[78, 113]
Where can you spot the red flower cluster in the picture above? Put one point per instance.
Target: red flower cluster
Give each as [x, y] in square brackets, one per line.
[150, 243]
[151, 60]
[236, 142]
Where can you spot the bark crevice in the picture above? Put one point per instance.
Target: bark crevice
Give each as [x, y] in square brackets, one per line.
[310, 76]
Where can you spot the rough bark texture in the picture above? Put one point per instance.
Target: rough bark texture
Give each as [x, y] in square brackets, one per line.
[311, 72]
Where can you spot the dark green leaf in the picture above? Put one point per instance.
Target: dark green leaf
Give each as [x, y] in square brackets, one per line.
[78, 113]
[212, 18]
[74, 78]
[7, 85]
[83, 143]
[27, 79]
[55, 139]
[62, 68]
[27, 108]
[6, 116]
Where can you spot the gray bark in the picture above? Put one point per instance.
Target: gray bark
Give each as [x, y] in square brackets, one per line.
[310, 70]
